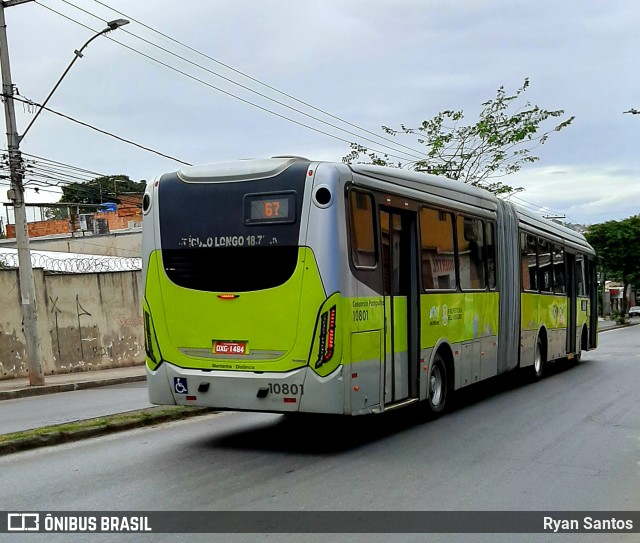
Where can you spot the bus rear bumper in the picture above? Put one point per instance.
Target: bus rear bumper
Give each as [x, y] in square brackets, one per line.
[158, 386]
[289, 392]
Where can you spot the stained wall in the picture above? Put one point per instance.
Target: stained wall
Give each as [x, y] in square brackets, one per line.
[86, 321]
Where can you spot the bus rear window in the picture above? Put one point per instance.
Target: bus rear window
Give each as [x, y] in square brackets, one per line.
[230, 269]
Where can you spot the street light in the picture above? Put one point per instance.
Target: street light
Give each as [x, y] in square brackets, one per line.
[16, 193]
[111, 25]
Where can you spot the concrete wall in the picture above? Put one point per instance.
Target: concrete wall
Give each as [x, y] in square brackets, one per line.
[86, 321]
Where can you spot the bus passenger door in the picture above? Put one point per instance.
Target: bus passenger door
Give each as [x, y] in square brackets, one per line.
[572, 298]
[400, 288]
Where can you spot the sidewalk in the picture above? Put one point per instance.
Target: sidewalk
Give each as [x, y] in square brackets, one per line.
[608, 324]
[20, 388]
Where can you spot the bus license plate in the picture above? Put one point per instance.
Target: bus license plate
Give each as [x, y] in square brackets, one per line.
[230, 347]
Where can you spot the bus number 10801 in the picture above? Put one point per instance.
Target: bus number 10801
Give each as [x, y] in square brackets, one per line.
[360, 315]
[284, 388]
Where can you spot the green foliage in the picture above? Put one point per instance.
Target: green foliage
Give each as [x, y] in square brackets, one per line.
[97, 191]
[618, 245]
[496, 145]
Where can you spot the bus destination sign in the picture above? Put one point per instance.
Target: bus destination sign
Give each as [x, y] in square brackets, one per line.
[269, 208]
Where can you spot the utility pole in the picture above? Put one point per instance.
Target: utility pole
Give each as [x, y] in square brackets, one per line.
[16, 194]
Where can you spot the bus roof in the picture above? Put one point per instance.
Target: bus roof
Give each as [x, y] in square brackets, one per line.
[434, 185]
[238, 170]
[538, 224]
[462, 192]
[437, 186]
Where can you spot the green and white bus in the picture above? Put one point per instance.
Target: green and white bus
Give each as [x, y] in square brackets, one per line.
[286, 285]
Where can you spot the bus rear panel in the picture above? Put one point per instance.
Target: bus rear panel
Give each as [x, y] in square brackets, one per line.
[237, 312]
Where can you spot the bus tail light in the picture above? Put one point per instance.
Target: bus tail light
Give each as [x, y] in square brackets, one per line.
[327, 339]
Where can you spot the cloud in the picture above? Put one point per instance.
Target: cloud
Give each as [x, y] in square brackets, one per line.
[586, 194]
[370, 62]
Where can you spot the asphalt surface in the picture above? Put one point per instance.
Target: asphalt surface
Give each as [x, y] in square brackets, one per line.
[35, 407]
[569, 442]
[46, 410]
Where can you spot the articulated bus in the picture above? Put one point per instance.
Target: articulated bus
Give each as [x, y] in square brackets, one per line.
[286, 285]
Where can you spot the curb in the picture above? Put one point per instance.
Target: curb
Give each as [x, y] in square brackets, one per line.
[57, 437]
[617, 326]
[67, 387]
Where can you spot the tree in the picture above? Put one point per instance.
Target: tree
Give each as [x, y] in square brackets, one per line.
[496, 145]
[618, 245]
[633, 111]
[97, 191]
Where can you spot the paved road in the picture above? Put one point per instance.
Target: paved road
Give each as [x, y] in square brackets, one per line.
[569, 442]
[34, 412]
[37, 411]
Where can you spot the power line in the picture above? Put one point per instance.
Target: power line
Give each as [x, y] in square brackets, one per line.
[36, 180]
[34, 169]
[249, 102]
[36, 165]
[87, 125]
[63, 164]
[324, 112]
[60, 173]
[540, 208]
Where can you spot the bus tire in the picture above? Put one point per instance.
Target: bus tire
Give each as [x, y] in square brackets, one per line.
[437, 387]
[584, 346]
[584, 343]
[539, 360]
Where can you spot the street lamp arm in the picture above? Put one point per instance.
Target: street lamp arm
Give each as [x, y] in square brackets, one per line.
[78, 54]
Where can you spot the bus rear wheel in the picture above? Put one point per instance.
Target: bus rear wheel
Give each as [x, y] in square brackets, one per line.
[583, 346]
[538, 361]
[437, 387]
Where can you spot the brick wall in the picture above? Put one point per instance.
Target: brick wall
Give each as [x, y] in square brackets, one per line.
[42, 228]
[118, 220]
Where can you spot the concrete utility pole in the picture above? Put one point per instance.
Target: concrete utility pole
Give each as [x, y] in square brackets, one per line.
[16, 194]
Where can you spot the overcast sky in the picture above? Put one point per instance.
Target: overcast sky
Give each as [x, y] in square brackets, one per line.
[369, 62]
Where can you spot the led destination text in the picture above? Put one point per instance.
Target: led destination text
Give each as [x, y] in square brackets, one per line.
[226, 241]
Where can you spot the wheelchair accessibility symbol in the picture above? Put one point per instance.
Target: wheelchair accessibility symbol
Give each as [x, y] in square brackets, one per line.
[180, 385]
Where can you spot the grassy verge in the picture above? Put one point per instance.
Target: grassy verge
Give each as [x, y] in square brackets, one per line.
[73, 431]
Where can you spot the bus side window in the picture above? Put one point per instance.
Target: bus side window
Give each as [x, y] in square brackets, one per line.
[471, 253]
[528, 262]
[580, 275]
[363, 240]
[437, 250]
[559, 285]
[490, 249]
[544, 265]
